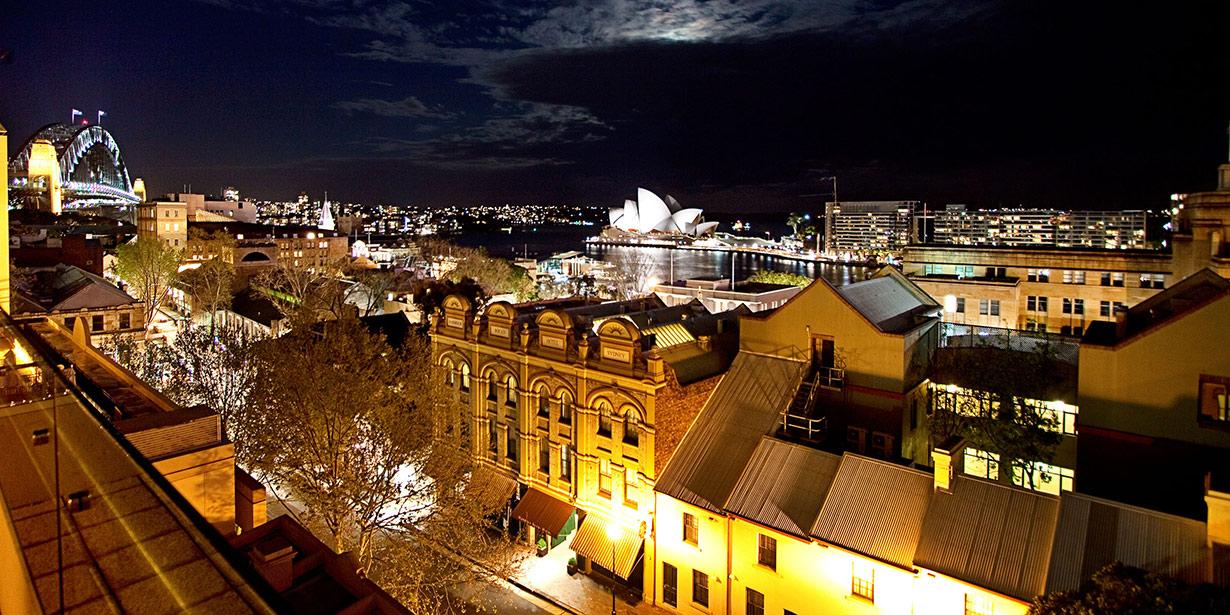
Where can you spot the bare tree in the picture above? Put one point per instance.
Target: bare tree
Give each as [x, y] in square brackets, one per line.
[148, 267]
[305, 291]
[635, 271]
[366, 438]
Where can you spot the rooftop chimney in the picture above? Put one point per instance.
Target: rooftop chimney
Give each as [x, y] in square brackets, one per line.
[274, 558]
[947, 458]
[1120, 322]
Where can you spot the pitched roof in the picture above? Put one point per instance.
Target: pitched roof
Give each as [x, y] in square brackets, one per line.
[708, 463]
[783, 486]
[1093, 533]
[875, 508]
[990, 534]
[69, 288]
[888, 301]
[1188, 295]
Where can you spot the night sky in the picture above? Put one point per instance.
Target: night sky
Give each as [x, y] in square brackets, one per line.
[737, 106]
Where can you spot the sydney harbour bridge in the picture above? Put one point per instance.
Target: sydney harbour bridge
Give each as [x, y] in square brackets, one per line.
[71, 166]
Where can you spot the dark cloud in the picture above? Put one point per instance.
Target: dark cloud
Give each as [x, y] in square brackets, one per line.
[406, 107]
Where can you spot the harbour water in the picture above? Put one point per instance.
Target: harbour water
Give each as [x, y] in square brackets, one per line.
[541, 242]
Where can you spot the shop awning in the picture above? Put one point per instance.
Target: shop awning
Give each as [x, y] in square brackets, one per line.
[543, 511]
[591, 540]
[490, 488]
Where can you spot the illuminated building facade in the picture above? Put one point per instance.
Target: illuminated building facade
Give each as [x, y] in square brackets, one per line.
[1111, 230]
[1202, 229]
[576, 405]
[1035, 289]
[650, 214]
[718, 296]
[867, 227]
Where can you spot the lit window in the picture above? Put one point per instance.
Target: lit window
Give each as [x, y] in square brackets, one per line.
[1043, 477]
[465, 378]
[565, 463]
[565, 408]
[981, 464]
[766, 551]
[604, 477]
[511, 400]
[544, 402]
[863, 581]
[604, 419]
[630, 488]
[978, 605]
[1214, 398]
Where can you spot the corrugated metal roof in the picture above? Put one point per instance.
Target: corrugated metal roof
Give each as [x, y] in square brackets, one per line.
[591, 540]
[991, 535]
[885, 301]
[669, 334]
[875, 508]
[1093, 533]
[744, 407]
[783, 486]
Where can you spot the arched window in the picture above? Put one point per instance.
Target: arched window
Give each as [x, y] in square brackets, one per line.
[604, 419]
[511, 400]
[450, 378]
[493, 386]
[544, 401]
[565, 407]
[632, 427]
[465, 377]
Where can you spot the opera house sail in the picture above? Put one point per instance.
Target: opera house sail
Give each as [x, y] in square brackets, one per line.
[650, 214]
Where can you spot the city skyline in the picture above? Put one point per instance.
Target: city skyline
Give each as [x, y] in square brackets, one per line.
[721, 105]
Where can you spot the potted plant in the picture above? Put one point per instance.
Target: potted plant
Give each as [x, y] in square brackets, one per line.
[572, 566]
[542, 546]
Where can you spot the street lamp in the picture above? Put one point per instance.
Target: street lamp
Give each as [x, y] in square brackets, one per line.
[612, 532]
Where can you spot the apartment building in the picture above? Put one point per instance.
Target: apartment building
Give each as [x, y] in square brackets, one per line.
[868, 227]
[1111, 230]
[75, 297]
[1035, 289]
[165, 221]
[575, 405]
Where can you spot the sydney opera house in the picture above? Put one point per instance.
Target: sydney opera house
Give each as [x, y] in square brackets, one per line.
[650, 214]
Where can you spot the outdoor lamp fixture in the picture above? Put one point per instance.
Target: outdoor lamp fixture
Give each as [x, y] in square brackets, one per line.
[612, 533]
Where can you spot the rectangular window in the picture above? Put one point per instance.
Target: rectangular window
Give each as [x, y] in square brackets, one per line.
[670, 584]
[511, 400]
[1116, 279]
[965, 271]
[125, 320]
[984, 307]
[604, 420]
[863, 581]
[933, 269]
[96, 323]
[544, 404]
[755, 602]
[995, 307]
[565, 463]
[978, 605]
[981, 464]
[1214, 397]
[1031, 303]
[700, 588]
[1043, 477]
[691, 531]
[766, 552]
[1078, 306]
[1104, 309]
[511, 443]
[604, 477]
[544, 456]
[1067, 276]
[493, 435]
[493, 389]
[1105, 279]
[1044, 275]
[565, 410]
[630, 488]
[1067, 305]
[960, 305]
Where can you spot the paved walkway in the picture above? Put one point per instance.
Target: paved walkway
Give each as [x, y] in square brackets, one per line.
[548, 576]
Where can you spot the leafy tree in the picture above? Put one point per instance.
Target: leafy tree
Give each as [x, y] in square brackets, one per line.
[998, 408]
[149, 268]
[211, 286]
[306, 292]
[1125, 590]
[780, 277]
[369, 440]
[429, 294]
[495, 275]
[205, 245]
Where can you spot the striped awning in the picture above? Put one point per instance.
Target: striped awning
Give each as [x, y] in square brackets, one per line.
[543, 511]
[591, 541]
[669, 334]
[490, 487]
